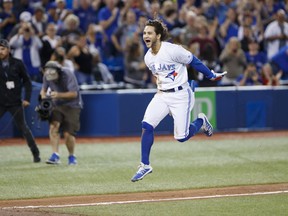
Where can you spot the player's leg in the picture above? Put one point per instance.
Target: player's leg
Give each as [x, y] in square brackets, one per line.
[180, 107]
[155, 112]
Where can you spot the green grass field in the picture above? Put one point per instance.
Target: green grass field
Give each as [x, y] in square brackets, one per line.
[107, 169]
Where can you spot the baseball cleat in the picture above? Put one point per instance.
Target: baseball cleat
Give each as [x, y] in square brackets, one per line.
[206, 127]
[143, 170]
[72, 160]
[54, 159]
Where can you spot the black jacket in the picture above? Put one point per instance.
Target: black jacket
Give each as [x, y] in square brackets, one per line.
[18, 74]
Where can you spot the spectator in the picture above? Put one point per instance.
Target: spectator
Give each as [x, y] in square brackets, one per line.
[135, 68]
[51, 13]
[229, 28]
[39, 20]
[62, 11]
[125, 31]
[100, 71]
[268, 10]
[59, 55]
[233, 60]
[154, 9]
[140, 7]
[203, 38]
[86, 14]
[27, 46]
[170, 15]
[21, 6]
[96, 39]
[246, 37]
[276, 70]
[250, 77]
[216, 9]
[109, 17]
[276, 34]
[71, 32]
[8, 18]
[82, 59]
[256, 56]
[50, 42]
[25, 17]
[189, 31]
[249, 17]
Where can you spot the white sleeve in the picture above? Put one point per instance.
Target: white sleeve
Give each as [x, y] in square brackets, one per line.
[181, 55]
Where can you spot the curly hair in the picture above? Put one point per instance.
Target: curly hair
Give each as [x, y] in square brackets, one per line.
[160, 28]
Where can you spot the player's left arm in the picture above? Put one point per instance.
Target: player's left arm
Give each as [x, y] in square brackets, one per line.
[184, 56]
[202, 68]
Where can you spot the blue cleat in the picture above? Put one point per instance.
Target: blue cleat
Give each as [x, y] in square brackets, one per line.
[72, 160]
[143, 170]
[207, 127]
[54, 159]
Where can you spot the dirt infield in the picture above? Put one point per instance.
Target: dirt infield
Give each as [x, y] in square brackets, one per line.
[36, 207]
[6, 206]
[216, 136]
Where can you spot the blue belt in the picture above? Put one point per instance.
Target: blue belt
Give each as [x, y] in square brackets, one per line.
[173, 89]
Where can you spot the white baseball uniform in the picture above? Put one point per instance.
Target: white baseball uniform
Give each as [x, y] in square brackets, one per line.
[169, 67]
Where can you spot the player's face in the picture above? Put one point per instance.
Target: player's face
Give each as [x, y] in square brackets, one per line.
[149, 36]
[4, 53]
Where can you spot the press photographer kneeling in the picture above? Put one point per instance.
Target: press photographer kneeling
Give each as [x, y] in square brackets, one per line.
[61, 87]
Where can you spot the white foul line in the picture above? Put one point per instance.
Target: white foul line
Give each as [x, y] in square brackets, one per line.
[145, 201]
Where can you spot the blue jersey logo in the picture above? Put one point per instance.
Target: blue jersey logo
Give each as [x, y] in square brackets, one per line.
[172, 75]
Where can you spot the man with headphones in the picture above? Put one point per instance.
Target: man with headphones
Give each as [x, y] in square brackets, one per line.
[60, 84]
[14, 76]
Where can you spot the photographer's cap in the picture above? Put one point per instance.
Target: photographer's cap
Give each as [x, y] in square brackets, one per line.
[4, 43]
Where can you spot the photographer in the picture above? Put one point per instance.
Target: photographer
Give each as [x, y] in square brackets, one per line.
[13, 76]
[61, 86]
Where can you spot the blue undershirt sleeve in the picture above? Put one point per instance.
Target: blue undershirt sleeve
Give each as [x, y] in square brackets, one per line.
[200, 67]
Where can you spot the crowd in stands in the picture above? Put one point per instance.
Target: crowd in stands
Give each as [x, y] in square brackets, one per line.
[101, 40]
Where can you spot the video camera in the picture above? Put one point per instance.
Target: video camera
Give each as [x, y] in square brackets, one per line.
[44, 108]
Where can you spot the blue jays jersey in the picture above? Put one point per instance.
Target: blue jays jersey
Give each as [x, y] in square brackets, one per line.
[169, 65]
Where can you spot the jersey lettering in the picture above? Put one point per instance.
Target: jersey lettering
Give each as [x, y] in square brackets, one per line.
[161, 67]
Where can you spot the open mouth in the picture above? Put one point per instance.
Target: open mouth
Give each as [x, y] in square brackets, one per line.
[147, 41]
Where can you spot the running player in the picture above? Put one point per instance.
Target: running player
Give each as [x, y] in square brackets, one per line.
[167, 63]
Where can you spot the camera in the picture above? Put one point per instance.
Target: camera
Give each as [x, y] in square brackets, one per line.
[44, 108]
[27, 30]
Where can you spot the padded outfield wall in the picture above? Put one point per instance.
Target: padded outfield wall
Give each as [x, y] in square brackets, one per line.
[119, 112]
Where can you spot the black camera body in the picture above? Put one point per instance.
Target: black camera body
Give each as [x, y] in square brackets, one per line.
[44, 108]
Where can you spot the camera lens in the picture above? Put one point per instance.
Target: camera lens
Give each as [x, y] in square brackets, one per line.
[46, 105]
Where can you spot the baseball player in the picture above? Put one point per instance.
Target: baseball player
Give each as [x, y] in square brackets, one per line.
[167, 63]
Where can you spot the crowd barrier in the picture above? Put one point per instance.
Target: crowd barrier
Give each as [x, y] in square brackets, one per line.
[112, 113]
